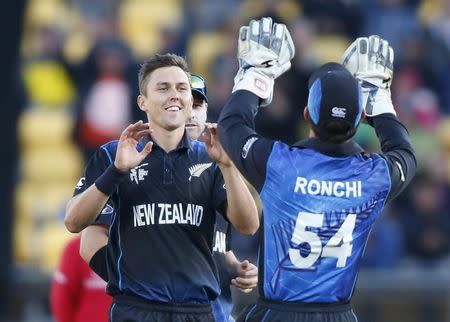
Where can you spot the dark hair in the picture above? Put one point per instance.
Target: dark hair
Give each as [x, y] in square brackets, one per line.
[158, 61]
[334, 131]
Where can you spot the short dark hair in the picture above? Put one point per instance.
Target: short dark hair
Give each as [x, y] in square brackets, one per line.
[158, 61]
[334, 131]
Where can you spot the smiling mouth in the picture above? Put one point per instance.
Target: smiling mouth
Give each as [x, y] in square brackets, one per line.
[173, 108]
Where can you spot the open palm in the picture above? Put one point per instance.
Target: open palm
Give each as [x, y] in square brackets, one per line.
[127, 156]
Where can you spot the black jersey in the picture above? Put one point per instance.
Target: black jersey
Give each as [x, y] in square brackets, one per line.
[161, 233]
[223, 305]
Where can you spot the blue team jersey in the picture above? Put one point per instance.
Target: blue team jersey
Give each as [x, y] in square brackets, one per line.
[318, 213]
[163, 217]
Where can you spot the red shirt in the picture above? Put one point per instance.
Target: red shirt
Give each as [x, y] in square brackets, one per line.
[77, 293]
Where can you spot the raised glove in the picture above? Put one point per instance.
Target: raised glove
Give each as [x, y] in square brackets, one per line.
[264, 52]
[371, 59]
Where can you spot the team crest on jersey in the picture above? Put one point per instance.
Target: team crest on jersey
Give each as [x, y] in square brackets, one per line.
[247, 146]
[197, 169]
[107, 210]
[80, 183]
[139, 173]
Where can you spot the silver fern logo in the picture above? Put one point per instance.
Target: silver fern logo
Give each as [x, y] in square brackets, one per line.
[197, 169]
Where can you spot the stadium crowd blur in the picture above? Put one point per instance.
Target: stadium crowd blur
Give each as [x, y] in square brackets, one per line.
[78, 61]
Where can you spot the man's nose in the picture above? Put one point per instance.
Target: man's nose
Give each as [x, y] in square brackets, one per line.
[174, 93]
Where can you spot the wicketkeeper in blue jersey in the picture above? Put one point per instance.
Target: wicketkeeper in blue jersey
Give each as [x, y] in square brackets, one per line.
[322, 195]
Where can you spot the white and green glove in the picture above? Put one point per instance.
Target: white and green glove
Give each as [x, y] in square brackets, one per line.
[264, 52]
[371, 60]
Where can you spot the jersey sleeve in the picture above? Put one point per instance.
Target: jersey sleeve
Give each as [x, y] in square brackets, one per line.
[248, 150]
[397, 150]
[95, 167]
[66, 284]
[219, 192]
[98, 163]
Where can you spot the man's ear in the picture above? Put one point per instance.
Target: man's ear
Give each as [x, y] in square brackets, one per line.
[141, 102]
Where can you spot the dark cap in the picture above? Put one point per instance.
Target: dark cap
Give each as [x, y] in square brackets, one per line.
[334, 94]
[198, 86]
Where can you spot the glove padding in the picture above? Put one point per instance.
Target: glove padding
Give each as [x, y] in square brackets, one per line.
[264, 53]
[371, 60]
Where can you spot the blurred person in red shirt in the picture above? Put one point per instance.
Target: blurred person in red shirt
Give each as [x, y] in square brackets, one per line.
[77, 292]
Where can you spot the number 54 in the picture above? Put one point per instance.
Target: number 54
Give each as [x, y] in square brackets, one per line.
[333, 248]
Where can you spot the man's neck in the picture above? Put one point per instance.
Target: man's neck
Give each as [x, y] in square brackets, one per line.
[167, 140]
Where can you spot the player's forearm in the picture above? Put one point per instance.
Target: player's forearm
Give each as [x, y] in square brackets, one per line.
[397, 149]
[83, 209]
[241, 210]
[394, 139]
[93, 238]
[236, 123]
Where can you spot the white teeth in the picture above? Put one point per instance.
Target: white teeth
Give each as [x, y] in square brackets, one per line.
[173, 108]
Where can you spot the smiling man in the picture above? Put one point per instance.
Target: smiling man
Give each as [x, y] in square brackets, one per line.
[161, 269]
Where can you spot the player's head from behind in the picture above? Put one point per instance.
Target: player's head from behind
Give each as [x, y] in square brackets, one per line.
[196, 122]
[165, 91]
[334, 107]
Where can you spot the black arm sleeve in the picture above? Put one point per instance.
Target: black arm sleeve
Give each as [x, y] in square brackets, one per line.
[245, 147]
[398, 151]
[98, 263]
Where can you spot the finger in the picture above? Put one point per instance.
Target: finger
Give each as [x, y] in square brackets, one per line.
[254, 31]
[384, 51]
[141, 134]
[245, 264]
[277, 38]
[135, 127]
[289, 43]
[128, 130]
[213, 131]
[206, 138]
[243, 33]
[265, 29]
[244, 283]
[247, 281]
[390, 59]
[374, 48]
[242, 288]
[363, 57]
[146, 150]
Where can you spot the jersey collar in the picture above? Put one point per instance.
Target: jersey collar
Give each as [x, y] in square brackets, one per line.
[335, 150]
[185, 143]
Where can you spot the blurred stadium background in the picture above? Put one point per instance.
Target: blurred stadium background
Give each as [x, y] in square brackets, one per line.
[71, 83]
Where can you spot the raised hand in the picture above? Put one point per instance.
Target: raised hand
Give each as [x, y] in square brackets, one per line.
[371, 60]
[213, 146]
[127, 155]
[264, 52]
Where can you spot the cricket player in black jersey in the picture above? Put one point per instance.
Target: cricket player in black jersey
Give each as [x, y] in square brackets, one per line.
[165, 191]
[321, 196]
[244, 275]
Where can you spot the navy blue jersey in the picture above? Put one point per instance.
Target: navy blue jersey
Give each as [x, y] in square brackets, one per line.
[318, 212]
[161, 235]
[320, 201]
[223, 305]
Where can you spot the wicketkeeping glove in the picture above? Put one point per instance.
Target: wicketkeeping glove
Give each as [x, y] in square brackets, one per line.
[264, 52]
[371, 60]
